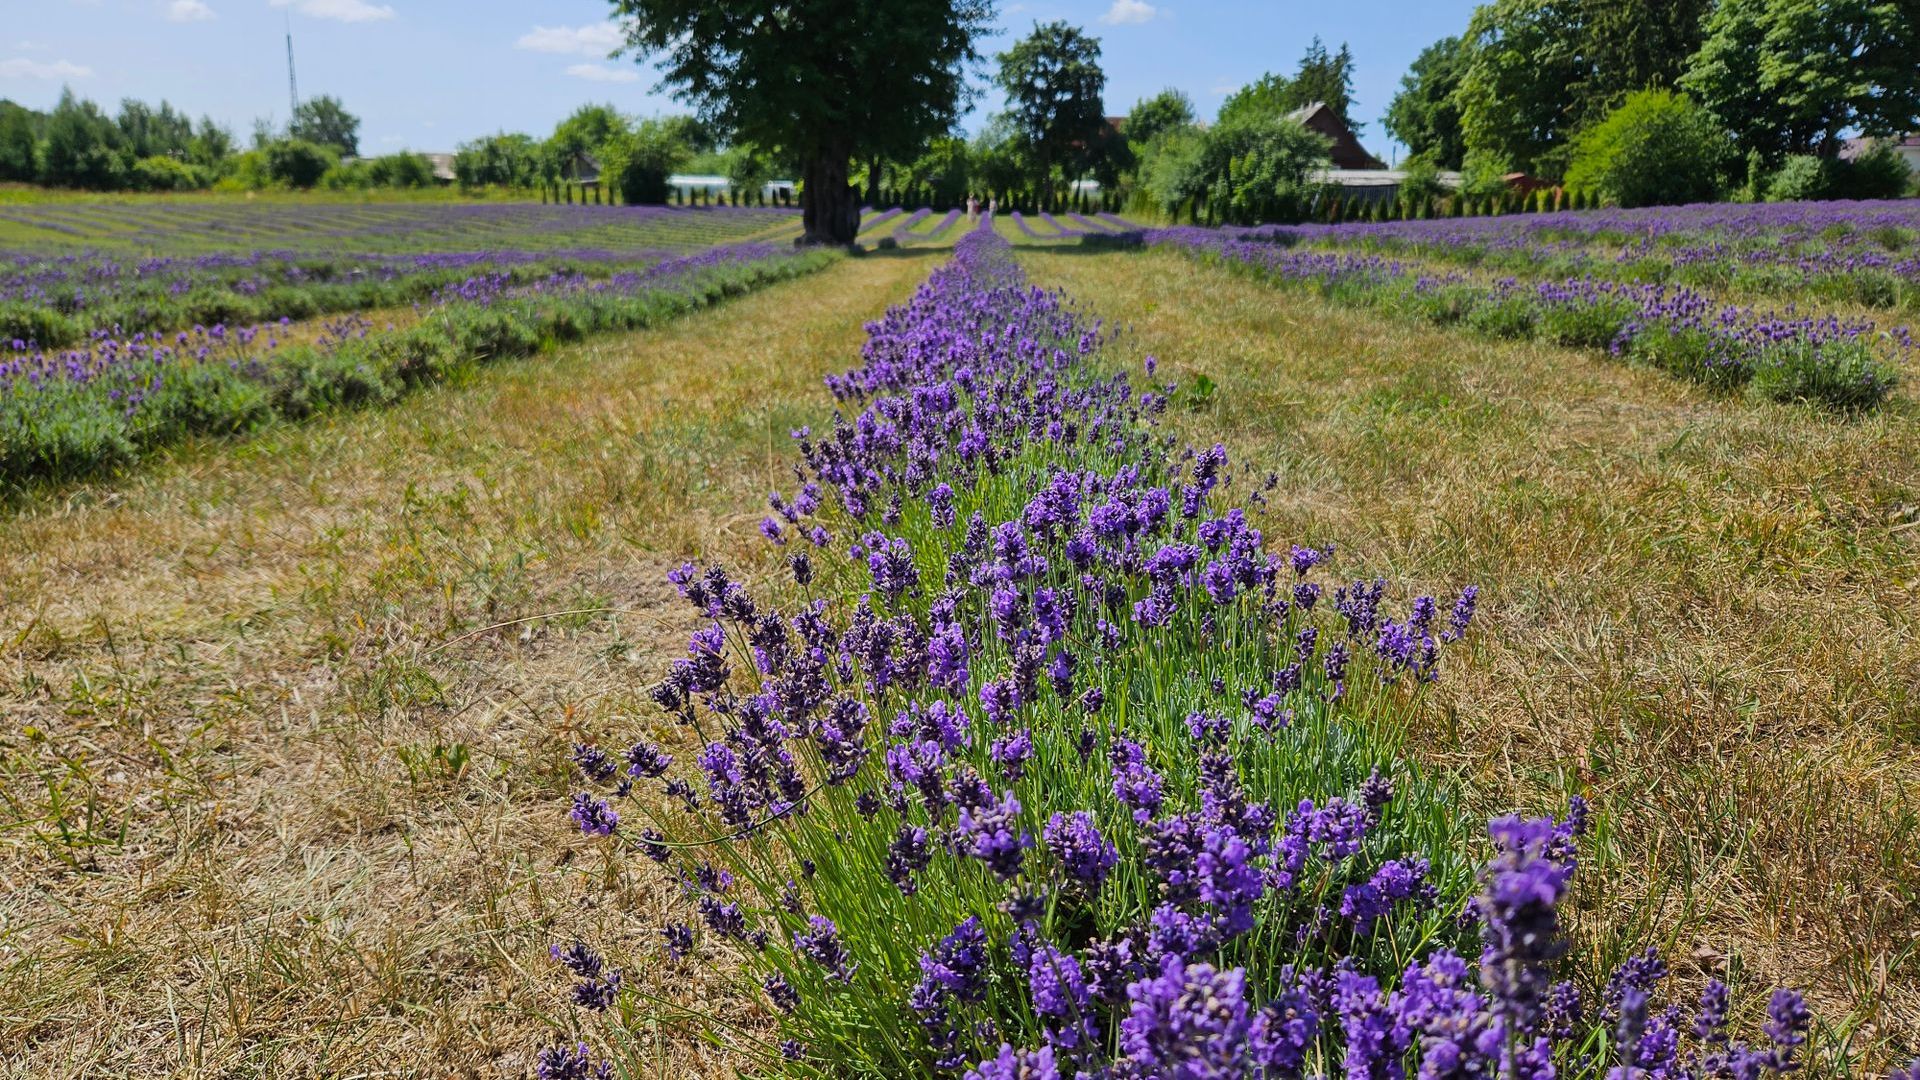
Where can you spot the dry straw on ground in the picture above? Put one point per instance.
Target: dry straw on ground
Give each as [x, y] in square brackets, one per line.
[255, 823]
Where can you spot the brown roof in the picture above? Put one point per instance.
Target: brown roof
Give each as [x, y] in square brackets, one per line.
[1347, 153]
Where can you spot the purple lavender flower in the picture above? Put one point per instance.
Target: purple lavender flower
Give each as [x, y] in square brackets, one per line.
[992, 834]
[1082, 851]
[821, 943]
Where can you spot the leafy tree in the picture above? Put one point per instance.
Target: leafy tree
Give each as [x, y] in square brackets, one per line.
[1424, 114]
[825, 81]
[587, 131]
[211, 144]
[298, 163]
[1521, 57]
[946, 169]
[995, 155]
[149, 132]
[165, 174]
[1255, 169]
[1175, 174]
[637, 163]
[1266, 96]
[19, 146]
[1801, 177]
[1789, 76]
[1880, 173]
[1054, 87]
[1658, 148]
[1169, 110]
[1634, 45]
[82, 147]
[501, 160]
[323, 121]
[400, 171]
[1326, 79]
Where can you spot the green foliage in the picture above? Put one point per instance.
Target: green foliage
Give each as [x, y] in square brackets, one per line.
[66, 429]
[638, 163]
[1424, 114]
[1420, 181]
[1788, 76]
[1800, 178]
[1484, 175]
[323, 121]
[82, 147]
[1255, 170]
[1169, 110]
[1266, 96]
[166, 174]
[500, 160]
[821, 83]
[19, 145]
[1054, 86]
[1521, 57]
[1880, 173]
[400, 171]
[296, 163]
[1326, 79]
[1658, 148]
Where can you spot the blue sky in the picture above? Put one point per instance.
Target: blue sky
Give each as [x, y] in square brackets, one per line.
[427, 74]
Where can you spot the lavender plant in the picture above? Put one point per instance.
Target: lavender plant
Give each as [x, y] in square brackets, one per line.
[1052, 767]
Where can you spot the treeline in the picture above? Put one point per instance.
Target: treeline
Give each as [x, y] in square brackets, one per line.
[1666, 101]
[77, 144]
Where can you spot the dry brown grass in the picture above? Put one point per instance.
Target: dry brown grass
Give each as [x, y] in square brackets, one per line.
[1702, 612]
[255, 823]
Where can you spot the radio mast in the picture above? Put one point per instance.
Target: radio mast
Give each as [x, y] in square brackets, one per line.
[293, 88]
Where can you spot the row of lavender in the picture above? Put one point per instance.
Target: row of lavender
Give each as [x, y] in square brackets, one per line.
[1865, 253]
[1052, 767]
[52, 299]
[1847, 364]
[116, 397]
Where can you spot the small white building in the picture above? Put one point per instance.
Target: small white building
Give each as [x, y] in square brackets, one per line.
[684, 186]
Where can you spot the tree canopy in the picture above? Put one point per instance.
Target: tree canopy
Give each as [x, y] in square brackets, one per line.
[1169, 110]
[323, 121]
[1424, 114]
[1055, 97]
[1657, 148]
[1790, 76]
[825, 81]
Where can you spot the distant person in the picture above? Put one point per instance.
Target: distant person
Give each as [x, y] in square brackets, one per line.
[973, 209]
[993, 207]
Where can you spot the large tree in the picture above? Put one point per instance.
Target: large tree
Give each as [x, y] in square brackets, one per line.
[1521, 58]
[825, 81]
[1789, 76]
[1631, 45]
[1055, 98]
[19, 147]
[1169, 110]
[1424, 114]
[323, 121]
[1324, 78]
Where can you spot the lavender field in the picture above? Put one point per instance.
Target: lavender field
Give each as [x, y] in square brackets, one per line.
[1044, 648]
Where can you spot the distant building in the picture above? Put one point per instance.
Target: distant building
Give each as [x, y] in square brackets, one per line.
[1347, 153]
[1907, 147]
[442, 165]
[685, 185]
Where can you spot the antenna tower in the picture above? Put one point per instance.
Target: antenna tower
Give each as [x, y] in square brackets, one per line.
[293, 88]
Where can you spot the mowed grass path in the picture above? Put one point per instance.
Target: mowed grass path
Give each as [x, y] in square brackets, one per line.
[265, 811]
[1703, 613]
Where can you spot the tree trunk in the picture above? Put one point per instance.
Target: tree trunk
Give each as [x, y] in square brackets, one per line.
[830, 210]
[873, 183]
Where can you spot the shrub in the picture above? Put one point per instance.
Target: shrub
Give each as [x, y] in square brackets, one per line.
[166, 174]
[1511, 316]
[297, 163]
[400, 171]
[34, 324]
[1880, 173]
[1657, 148]
[1801, 178]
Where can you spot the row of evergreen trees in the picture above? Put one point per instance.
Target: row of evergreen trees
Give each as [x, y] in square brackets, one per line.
[1420, 207]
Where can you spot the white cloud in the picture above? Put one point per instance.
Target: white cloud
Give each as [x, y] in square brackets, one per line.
[595, 39]
[21, 68]
[602, 73]
[339, 10]
[188, 11]
[1130, 11]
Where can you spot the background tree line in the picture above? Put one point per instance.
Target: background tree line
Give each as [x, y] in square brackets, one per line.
[1663, 101]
